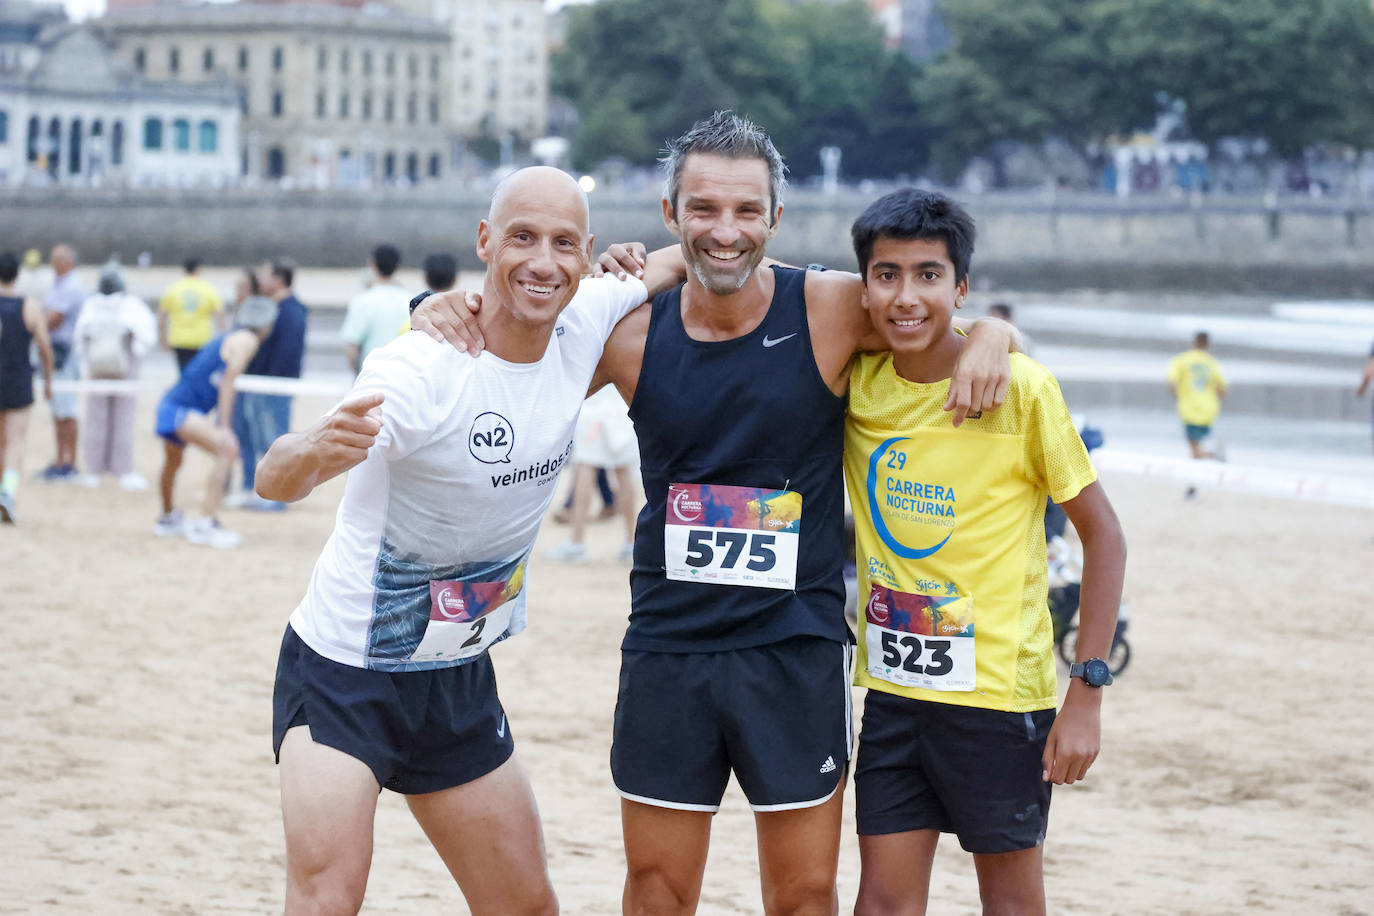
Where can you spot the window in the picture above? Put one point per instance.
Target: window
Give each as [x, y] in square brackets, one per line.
[343, 61]
[434, 109]
[140, 59]
[321, 59]
[278, 59]
[434, 165]
[74, 148]
[410, 108]
[413, 66]
[209, 136]
[173, 60]
[152, 134]
[434, 66]
[276, 162]
[343, 105]
[4, 127]
[319, 104]
[117, 143]
[243, 58]
[367, 106]
[34, 140]
[367, 63]
[413, 167]
[389, 108]
[207, 60]
[389, 165]
[181, 135]
[276, 104]
[390, 63]
[97, 128]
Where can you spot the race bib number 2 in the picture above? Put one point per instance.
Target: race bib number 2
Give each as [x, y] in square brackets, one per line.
[732, 535]
[465, 618]
[916, 640]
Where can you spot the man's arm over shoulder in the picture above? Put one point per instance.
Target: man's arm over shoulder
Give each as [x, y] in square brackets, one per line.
[623, 356]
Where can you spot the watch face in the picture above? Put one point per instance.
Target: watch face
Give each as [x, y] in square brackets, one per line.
[1096, 672]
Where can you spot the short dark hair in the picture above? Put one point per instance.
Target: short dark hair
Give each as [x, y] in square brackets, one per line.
[1202, 340]
[191, 265]
[254, 288]
[914, 214]
[441, 270]
[386, 258]
[1001, 310]
[724, 134]
[284, 269]
[9, 268]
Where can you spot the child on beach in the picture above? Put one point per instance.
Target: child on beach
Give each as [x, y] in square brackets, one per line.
[960, 733]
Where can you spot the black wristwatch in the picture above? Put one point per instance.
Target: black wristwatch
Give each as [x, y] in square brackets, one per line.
[420, 298]
[1093, 672]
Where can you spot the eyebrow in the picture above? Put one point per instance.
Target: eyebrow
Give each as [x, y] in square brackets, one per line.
[749, 202]
[893, 265]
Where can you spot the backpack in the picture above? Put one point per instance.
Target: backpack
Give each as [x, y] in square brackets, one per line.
[109, 350]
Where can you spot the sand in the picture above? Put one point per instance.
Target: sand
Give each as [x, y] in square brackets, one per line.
[1235, 773]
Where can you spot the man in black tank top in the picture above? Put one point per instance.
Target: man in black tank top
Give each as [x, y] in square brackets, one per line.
[737, 654]
[21, 322]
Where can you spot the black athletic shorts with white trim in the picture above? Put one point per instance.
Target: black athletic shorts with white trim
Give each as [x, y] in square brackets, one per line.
[779, 716]
[418, 731]
[957, 769]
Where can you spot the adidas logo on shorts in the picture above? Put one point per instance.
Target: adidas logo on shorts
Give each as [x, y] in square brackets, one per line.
[829, 765]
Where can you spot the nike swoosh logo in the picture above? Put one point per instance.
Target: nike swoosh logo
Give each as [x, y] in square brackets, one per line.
[501, 732]
[767, 342]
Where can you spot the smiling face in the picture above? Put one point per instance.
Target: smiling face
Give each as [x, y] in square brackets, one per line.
[723, 219]
[536, 245]
[911, 295]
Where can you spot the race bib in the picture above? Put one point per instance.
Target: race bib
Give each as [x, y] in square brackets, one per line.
[465, 618]
[732, 535]
[916, 640]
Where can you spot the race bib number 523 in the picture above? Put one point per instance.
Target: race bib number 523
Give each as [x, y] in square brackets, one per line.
[732, 535]
[920, 640]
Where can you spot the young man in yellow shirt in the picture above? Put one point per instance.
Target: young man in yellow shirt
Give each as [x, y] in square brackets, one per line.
[1197, 382]
[190, 313]
[960, 733]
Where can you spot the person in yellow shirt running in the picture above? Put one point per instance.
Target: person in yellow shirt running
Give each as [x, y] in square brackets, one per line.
[960, 733]
[191, 312]
[1196, 380]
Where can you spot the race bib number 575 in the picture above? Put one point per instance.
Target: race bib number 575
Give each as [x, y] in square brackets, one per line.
[732, 535]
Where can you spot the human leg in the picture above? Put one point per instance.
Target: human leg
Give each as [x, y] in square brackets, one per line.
[799, 855]
[665, 858]
[894, 873]
[627, 502]
[244, 424]
[328, 803]
[1012, 883]
[171, 463]
[122, 413]
[574, 550]
[14, 432]
[199, 430]
[487, 832]
[98, 417]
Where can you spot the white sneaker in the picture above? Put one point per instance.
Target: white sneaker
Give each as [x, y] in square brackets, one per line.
[626, 554]
[170, 524]
[238, 499]
[133, 482]
[208, 533]
[569, 552]
[89, 481]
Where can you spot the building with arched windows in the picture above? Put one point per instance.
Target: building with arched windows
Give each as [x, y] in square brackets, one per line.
[70, 113]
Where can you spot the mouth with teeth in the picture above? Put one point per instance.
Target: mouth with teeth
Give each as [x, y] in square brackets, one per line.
[717, 254]
[541, 290]
[908, 324]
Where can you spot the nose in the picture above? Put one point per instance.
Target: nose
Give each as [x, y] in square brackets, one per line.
[542, 262]
[724, 231]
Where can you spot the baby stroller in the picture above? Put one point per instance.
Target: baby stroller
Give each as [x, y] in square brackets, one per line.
[1065, 578]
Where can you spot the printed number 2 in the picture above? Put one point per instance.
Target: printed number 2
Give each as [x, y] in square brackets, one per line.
[761, 555]
[477, 626]
[939, 665]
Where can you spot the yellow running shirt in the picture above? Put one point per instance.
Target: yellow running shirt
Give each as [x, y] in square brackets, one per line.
[1196, 376]
[190, 304]
[950, 527]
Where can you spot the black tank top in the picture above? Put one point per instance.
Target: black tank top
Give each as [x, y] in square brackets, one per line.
[16, 376]
[748, 412]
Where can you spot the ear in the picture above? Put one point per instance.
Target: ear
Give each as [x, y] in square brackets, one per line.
[484, 242]
[777, 219]
[670, 218]
[591, 242]
[961, 292]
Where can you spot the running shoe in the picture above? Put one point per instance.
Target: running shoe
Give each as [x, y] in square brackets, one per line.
[7, 515]
[569, 552]
[133, 482]
[170, 524]
[208, 533]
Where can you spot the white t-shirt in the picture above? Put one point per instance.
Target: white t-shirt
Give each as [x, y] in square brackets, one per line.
[425, 567]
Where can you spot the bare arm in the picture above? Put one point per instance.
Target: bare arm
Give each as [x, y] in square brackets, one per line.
[237, 349]
[36, 323]
[162, 320]
[351, 352]
[1366, 378]
[1076, 735]
[297, 463]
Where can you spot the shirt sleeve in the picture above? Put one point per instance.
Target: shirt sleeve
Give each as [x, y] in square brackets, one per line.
[609, 299]
[1056, 457]
[354, 327]
[409, 410]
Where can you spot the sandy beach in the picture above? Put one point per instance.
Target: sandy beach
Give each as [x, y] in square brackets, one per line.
[1235, 775]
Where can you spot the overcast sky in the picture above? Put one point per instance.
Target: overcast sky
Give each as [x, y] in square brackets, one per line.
[80, 9]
